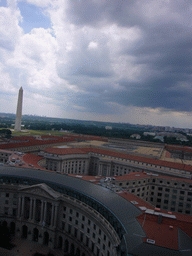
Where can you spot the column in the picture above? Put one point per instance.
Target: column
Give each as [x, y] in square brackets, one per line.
[55, 217]
[41, 219]
[31, 208]
[19, 208]
[52, 214]
[108, 170]
[22, 207]
[45, 212]
[34, 209]
[100, 169]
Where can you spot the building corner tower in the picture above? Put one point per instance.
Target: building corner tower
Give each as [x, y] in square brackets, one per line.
[19, 110]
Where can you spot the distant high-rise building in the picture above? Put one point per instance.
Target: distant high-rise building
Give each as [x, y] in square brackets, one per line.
[19, 110]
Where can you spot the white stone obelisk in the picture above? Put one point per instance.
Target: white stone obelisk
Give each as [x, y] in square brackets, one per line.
[19, 110]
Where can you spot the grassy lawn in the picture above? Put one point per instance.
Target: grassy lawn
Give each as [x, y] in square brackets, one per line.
[34, 132]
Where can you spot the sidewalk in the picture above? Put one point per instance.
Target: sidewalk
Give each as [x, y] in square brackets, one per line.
[26, 248]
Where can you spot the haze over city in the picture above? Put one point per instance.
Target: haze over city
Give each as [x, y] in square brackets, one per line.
[115, 61]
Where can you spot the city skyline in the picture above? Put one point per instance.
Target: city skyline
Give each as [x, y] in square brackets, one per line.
[90, 60]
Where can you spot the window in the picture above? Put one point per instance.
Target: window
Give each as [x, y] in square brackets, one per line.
[63, 225]
[104, 237]
[82, 226]
[160, 188]
[77, 214]
[70, 218]
[6, 210]
[14, 212]
[182, 192]
[7, 194]
[87, 241]
[92, 247]
[93, 235]
[89, 222]
[94, 226]
[99, 240]
[88, 230]
[71, 211]
[165, 201]
[83, 218]
[81, 237]
[167, 190]
[75, 232]
[159, 194]
[69, 229]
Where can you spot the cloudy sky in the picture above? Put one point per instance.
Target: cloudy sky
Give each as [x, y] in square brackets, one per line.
[106, 60]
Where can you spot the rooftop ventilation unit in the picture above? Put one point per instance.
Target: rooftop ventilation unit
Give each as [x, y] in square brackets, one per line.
[150, 241]
[134, 202]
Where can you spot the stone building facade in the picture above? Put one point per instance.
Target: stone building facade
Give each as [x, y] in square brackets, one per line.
[94, 161]
[40, 214]
[167, 193]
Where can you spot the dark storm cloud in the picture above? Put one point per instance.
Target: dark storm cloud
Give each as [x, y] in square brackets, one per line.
[165, 49]
[90, 12]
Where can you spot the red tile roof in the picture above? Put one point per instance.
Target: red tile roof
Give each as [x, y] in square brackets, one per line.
[179, 148]
[143, 175]
[162, 234]
[140, 159]
[166, 233]
[31, 159]
[29, 141]
[64, 151]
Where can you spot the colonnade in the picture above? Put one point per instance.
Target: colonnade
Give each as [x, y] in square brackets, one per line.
[36, 210]
[104, 169]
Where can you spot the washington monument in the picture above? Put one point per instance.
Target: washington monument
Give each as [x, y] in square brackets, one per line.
[19, 110]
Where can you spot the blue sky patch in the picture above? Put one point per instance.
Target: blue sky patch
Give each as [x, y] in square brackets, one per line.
[3, 3]
[33, 17]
